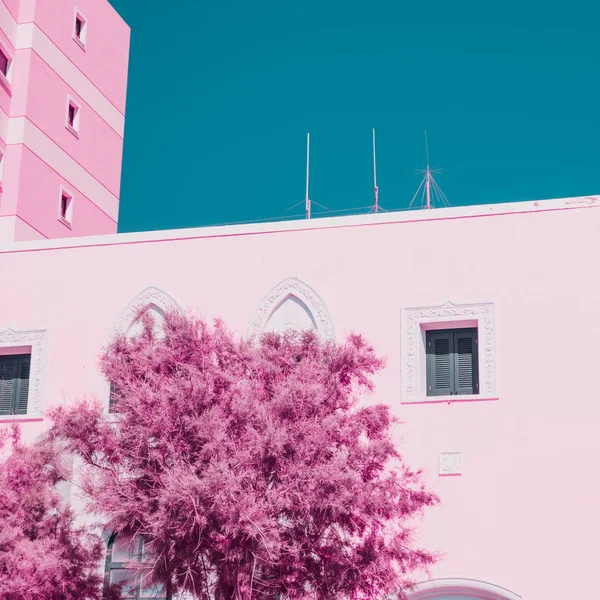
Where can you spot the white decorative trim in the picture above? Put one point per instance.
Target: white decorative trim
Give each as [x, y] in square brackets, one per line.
[415, 320]
[38, 340]
[150, 297]
[280, 293]
[468, 587]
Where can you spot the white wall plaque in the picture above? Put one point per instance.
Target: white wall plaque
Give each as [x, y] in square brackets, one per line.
[450, 463]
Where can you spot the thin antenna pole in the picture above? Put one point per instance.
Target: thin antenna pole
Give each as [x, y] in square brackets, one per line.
[427, 175]
[429, 191]
[307, 200]
[376, 206]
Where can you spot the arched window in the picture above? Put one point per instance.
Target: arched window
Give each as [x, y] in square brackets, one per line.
[292, 304]
[122, 552]
[291, 313]
[152, 299]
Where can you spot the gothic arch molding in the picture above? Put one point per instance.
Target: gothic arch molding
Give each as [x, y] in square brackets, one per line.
[298, 291]
[459, 588]
[153, 298]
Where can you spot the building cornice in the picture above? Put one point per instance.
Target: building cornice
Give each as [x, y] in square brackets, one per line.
[387, 218]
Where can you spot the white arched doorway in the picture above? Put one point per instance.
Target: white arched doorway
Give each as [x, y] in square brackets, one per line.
[460, 589]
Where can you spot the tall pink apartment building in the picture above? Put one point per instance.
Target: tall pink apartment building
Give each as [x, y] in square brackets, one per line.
[487, 315]
[63, 80]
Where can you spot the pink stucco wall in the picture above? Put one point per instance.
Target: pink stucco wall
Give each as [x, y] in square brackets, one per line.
[49, 68]
[96, 141]
[10, 186]
[40, 208]
[521, 514]
[13, 7]
[106, 56]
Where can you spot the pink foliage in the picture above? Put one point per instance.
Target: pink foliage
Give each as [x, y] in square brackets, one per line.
[42, 554]
[250, 469]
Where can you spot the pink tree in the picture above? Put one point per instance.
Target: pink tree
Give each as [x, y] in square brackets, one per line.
[250, 470]
[43, 554]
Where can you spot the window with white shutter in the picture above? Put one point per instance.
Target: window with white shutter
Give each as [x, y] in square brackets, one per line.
[452, 362]
[14, 384]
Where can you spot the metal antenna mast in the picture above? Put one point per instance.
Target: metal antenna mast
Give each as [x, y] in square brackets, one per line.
[307, 199]
[376, 189]
[431, 193]
[427, 174]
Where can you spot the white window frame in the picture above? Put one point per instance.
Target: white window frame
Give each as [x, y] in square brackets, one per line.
[75, 128]
[80, 40]
[35, 341]
[417, 321]
[6, 80]
[68, 221]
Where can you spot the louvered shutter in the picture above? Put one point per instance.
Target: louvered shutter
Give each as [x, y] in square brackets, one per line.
[22, 386]
[466, 362]
[112, 397]
[440, 364]
[8, 370]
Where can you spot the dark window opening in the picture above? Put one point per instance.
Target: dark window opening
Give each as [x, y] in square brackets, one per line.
[14, 384]
[78, 27]
[64, 206]
[113, 398]
[3, 63]
[72, 113]
[452, 362]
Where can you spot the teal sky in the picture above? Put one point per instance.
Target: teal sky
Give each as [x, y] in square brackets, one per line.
[222, 94]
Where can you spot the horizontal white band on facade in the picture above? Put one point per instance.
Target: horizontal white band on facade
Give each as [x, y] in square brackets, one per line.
[11, 225]
[8, 225]
[22, 131]
[8, 24]
[3, 124]
[28, 35]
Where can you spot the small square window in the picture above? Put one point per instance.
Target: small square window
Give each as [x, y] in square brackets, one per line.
[65, 214]
[14, 384]
[73, 117]
[452, 362]
[80, 29]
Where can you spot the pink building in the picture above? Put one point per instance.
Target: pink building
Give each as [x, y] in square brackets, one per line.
[486, 314]
[509, 437]
[63, 80]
